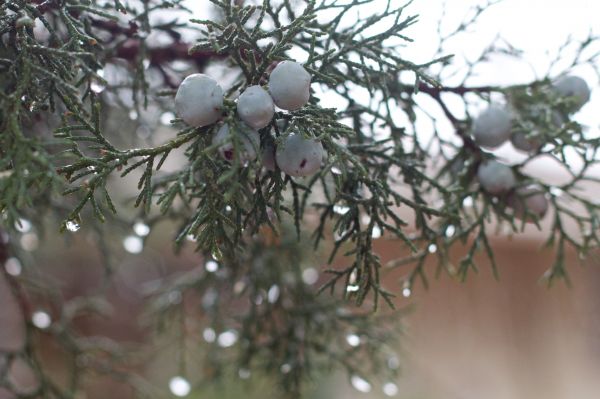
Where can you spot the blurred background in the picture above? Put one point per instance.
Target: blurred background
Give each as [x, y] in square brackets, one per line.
[513, 338]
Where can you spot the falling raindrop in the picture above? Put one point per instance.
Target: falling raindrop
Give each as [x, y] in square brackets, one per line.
[360, 384]
[227, 338]
[286, 368]
[353, 340]
[72, 226]
[390, 389]
[133, 115]
[41, 320]
[244, 373]
[273, 294]
[13, 267]
[175, 297]
[179, 386]
[393, 363]
[133, 244]
[209, 335]
[310, 276]
[29, 241]
[141, 229]
[211, 266]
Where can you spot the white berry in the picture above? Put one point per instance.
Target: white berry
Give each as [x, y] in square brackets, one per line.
[492, 127]
[527, 144]
[574, 87]
[298, 156]
[495, 177]
[289, 85]
[247, 139]
[255, 107]
[199, 100]
[528, 201]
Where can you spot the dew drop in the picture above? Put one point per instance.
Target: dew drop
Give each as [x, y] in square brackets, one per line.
[360, 384]
[556, 192]
[166, 118]
[432, 248]
[216, 254]
[179, 386]
[352, 288]
[468, 202]
[97, 87]
[450, 231]
[23, 225]
[72, 226]
[341, 209]
[376, 232]
[335, 170]
[406, 292]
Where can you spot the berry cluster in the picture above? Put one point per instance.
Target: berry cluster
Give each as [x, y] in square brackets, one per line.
[495, 126]
[200, 102]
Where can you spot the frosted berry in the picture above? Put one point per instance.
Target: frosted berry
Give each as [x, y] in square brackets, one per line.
[248, 141]
[255, 107]
[289, 85]
[492, 127]
[495, 177]
[528, 201]
[199, 100]
[527, 144]
[298, 156]
[574, 87]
